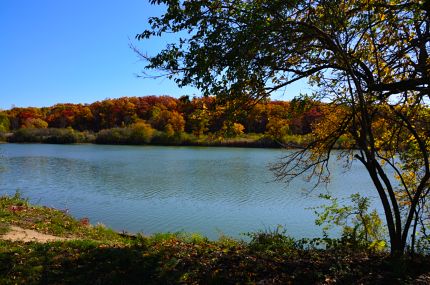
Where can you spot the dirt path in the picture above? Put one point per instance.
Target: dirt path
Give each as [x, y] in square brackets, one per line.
[25, 235]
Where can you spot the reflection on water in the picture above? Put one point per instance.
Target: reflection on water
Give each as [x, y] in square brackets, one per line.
[152, 189]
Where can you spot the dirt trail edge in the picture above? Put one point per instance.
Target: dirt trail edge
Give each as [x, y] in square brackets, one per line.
[26, 235]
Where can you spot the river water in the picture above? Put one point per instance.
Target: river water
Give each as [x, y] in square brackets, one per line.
[209, 190]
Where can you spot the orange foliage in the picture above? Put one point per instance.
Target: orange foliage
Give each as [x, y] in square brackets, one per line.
[196, 115]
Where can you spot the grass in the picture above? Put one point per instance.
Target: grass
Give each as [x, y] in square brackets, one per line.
[18, 212]
[102, 256]
[4, 228]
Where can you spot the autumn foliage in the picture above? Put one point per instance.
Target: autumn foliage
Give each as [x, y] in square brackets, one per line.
[138, 120]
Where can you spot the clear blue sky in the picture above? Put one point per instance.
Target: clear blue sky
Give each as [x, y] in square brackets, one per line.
[76, 51]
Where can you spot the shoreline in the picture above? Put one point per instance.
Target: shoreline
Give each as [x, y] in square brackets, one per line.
[88, 254]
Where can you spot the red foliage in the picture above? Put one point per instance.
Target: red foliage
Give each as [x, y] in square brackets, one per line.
[160, 111]
[15, 208]
[84, 221]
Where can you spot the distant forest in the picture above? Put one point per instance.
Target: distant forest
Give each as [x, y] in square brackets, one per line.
[141, 119]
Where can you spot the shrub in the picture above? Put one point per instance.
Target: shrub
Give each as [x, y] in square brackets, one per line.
[113, 136]
[25, 135]
[361, 229]
[141, 133]
[3, 137]
[271, 240]
[61, 136]
[48, 135]
[138, 133]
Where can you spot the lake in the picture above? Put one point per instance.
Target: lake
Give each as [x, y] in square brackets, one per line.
[148, 189]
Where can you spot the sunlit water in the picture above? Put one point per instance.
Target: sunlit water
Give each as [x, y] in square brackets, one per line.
[150, 189]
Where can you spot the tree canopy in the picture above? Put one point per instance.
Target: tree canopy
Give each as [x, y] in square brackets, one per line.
[198, 116]
[368, 59]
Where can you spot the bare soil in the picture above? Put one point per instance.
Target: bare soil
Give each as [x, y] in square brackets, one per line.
[19, 234]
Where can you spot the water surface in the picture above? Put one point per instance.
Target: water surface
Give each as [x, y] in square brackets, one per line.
[209, 190]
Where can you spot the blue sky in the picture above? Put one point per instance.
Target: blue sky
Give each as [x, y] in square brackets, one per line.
[76, 51]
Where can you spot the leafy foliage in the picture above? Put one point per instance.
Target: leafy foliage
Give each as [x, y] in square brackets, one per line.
[4, 122]
[163, 120]
[368, 60]
[199, 116]
[360, 228]
[50, 135]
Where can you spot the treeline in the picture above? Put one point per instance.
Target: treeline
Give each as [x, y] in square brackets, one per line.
[162, 120]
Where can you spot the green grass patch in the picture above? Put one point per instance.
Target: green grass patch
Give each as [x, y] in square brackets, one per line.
[4, 228]
[102, 256]
[17, 211]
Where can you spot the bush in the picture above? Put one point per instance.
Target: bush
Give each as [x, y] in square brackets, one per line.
[141, 133]
[296, 140]
[51, 135]
[25, 135]
[361, 228]
[138, 133]
[61, 136]
[3, 137]
[271, 240]
[164, 138]
[113, 136]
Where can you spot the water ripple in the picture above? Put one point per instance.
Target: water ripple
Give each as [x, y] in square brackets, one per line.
[152, 189]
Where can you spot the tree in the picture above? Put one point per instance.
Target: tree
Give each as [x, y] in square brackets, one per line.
[36, 123]
[277, 128]
[370, 59]
[4, 122]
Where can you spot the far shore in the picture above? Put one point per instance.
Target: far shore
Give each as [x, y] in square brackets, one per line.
[125, 136]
